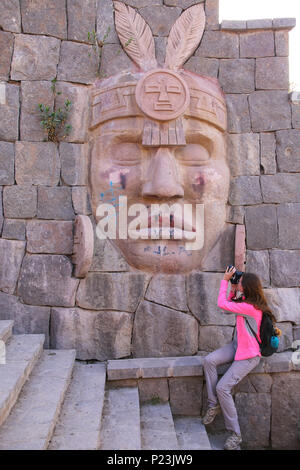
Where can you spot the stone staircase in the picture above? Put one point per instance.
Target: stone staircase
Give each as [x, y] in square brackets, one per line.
[48, 400]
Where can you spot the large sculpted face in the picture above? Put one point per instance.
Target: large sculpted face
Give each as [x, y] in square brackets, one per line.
[160, 138]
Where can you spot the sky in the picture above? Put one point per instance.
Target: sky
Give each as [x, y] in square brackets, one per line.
[261, 9]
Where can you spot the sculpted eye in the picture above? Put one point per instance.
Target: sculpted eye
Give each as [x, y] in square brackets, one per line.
[193, 154]
[126, 153]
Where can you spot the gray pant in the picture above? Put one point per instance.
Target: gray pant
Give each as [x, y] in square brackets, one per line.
[221, 391]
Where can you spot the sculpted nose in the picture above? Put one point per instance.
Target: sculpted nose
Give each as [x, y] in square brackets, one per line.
[162, 176]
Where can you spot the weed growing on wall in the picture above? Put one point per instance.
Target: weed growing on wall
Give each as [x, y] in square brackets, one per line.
[55, 120]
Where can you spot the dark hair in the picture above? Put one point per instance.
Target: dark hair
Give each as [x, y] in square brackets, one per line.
[254, 294]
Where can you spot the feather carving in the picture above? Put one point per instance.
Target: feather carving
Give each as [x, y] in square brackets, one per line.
[135, 36]
[184, 37]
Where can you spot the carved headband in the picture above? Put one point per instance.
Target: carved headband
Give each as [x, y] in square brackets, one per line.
[162, 95]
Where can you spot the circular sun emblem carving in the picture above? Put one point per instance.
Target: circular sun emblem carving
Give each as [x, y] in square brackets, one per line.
[162, 94]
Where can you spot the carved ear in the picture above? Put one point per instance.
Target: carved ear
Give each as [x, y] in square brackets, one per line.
[184, 37]
[135, 36]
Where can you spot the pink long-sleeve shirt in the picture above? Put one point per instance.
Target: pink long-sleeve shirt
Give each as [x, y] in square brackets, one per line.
[247, 346]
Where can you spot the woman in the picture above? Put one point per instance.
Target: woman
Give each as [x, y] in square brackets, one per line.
[244, 350]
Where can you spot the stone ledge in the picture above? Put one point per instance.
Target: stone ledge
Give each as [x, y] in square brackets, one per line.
[294, 97]
[251, 25]
[187, 366]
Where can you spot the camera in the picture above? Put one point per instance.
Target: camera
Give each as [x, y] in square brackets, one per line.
[237, 275]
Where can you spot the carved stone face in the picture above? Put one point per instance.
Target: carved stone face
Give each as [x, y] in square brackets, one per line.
[194, 172]
[158, 137]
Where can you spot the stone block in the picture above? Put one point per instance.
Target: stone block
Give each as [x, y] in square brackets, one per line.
[259, 24]
[111, 291]
[222, 252]
[37, 163]
[78, 117]
[285, 303]
[78, 63]
[243, 151]
[261, 227]
[20, 202]
[235, 215]
[81, 200]
[203, 66]
[219, 44]
[6, 47]
[14, 229]
[182, 3]
[49, 236]
[202, 295]
[254, 414]
[286, 338]
[160, 18]
[142, 3]
[269, 110]
[212, 14]
[296, 116]
[74, 163]
[268, 153]
[9, 112]
[78, 24]
[28, 319]
[33, 94]
[168, 290]
[285, 268]
[237, 75]
[48, 18]
[106, 31]
[280, 188]
[258, 262]
[288, 226]
[257, 44]
[106, 257]
[238, 113]
[214, 337]
[272, 73]
[114, 59]
[284, 23]
[282, 43]
[153, 389]
[260, 383]
[285, 411]
[10, 16]
[287, 150]
[160, 331]
[94, 335]
[47, 280]
[55, 203]
[232, 25]
[11, 252]
[35, 57]
[7, 163]
[245, 190]
[186, 395]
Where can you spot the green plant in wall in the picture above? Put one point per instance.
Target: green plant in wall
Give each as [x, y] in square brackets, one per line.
[54, 121]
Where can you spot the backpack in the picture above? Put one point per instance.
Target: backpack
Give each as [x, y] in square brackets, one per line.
[269, 339]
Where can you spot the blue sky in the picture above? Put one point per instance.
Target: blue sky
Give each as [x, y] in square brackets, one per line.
[258, 9]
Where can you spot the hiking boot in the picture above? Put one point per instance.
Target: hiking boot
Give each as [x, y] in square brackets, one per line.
[210, 415]
[233, 442]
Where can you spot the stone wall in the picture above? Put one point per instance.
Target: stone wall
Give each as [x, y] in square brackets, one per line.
[117, 312]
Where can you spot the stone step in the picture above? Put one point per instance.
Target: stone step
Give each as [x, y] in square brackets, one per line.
[157, 427]
[217, 440]
[120, 428]
[78, 426]
[22, 353]
[191, 433]
[31, 422]
[6, 327]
